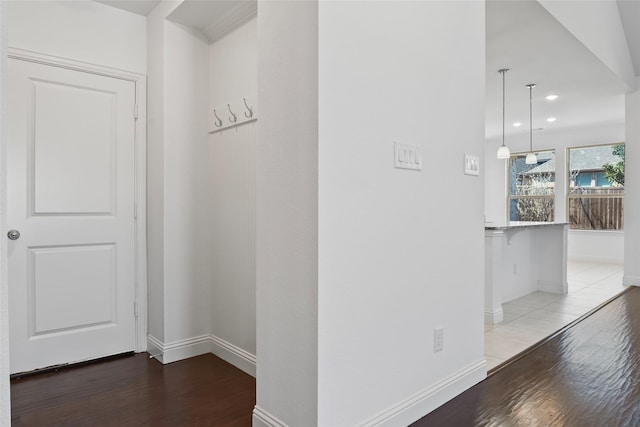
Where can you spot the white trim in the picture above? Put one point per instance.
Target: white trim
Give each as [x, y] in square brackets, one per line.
[71, 64]
[415, 407]
[195, 346]
[233, 354]
[179, 350]
[5, 388]
[262, 418]
[597, 232]
[596, 259]
[493, 317]
[154, 348]
[141, 215]
[631, 280]
[140, 141]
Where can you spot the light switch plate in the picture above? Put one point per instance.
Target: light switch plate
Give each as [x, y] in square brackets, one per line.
[471, 165]
[407, 156]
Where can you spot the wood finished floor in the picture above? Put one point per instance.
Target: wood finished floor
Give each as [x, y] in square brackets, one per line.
[136, 391]
[586, 376]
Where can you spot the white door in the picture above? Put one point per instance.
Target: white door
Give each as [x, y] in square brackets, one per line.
[70, 179]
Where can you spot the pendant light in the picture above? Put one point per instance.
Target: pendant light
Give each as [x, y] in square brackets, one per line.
[503, 151]
[531, 159]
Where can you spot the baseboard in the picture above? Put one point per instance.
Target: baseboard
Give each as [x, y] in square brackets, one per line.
[179, 350]
[631, 280]
[493, 317]
[425, 401]
[262, 418]
[233, 354]
[596, 259]
[154, 347]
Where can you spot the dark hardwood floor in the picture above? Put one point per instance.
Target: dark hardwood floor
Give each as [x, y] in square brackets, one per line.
[136, 391]
[586, 376]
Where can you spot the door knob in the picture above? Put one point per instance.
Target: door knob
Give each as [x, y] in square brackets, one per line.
[13, 234]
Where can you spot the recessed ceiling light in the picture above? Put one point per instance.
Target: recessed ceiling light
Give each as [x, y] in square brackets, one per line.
[516, 124]
[551, 119]
[552, 97]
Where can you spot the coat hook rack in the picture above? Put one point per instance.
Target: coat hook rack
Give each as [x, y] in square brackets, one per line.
[218, 121]
[248, 116]
[233, 120]
[233, 117]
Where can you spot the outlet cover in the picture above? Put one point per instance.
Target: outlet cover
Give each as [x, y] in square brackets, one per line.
[438, 339]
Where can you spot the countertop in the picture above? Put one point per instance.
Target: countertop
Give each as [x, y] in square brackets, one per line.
[520, 224]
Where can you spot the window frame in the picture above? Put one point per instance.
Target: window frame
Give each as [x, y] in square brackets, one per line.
[570, 196]
[516, 197]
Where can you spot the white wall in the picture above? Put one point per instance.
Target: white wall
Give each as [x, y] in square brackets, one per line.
[81, 30]
[596, 245]
[519, 264]
[632, 191]
[155, 169]
[583, 245]
[343, 232]
[179, 203]
[188, 271]
[233, 76]
[287, 214]
[391, 242]
[201, 192]
[5, 390]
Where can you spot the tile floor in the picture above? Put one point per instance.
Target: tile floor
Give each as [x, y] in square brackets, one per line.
[533, 317]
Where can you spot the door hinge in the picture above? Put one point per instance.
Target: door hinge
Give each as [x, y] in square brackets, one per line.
[135, 111]
[135, 211]
[135, 309]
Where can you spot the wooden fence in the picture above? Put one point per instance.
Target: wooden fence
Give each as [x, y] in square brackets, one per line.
[596, 208]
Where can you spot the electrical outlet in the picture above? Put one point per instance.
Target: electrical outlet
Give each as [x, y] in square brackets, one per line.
[438, 339]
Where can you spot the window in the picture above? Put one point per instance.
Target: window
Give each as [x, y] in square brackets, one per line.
[532, 187]
[596, 187]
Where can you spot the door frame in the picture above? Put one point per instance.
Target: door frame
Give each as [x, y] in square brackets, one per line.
[140, 179]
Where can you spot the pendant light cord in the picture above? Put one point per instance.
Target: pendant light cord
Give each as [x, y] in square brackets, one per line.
[530, 120]
[504, 71]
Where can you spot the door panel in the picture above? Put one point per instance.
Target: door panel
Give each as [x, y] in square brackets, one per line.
[70, 176]
[84, 274]
[62, 153]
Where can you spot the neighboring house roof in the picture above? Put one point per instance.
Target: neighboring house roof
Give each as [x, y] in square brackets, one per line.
[546, 167]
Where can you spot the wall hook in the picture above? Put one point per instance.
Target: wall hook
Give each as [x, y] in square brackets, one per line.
[233, 117]
[248, 116]
[218, 122]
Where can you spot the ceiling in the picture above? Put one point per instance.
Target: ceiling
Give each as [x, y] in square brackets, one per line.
[630, 15]
[524, 37]
[141, 7]
[521, 36]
